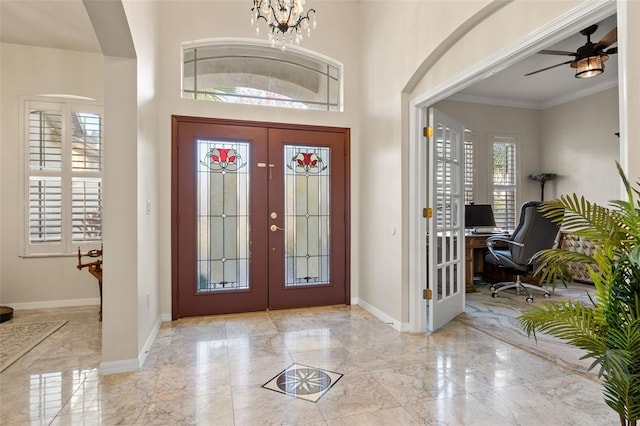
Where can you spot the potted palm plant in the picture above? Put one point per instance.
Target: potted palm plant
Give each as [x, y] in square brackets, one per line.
[608, 329]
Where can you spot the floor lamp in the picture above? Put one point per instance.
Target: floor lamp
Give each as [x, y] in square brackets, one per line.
[542, 178]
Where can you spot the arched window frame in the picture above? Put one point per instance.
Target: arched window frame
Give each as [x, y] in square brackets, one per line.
[295, 66]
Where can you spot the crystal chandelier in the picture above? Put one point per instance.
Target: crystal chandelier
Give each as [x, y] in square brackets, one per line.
[285, 20]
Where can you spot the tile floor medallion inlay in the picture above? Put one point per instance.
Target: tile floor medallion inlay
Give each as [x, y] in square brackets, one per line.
[303, 382]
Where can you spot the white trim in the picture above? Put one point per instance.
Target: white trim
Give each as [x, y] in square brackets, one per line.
[166, 317]
[623, 89]
[151, 338]
[487, 100]
[417, 240]
[254, 42]
[387, 319]
[67, 303]
[124, 366]
[66, 106]
[130, 365]
[243, 41]
[553, 32]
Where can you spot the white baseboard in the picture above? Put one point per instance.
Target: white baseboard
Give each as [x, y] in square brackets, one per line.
[149, 342]
[123, 366]
[165, 317]
[397, 325]
[68, 303]
[129, 365]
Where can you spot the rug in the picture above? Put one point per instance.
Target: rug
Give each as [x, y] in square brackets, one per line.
[497, 317]
[16, 339]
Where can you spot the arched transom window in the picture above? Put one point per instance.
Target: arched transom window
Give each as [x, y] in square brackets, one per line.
[261, 75]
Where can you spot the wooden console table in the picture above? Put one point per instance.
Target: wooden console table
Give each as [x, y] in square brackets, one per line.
[475, 248]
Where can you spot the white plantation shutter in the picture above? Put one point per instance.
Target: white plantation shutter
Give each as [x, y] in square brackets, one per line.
[45, 140]
[45, 209]
[86, 208]
[64, 147]
[468, 166]
[505, 181]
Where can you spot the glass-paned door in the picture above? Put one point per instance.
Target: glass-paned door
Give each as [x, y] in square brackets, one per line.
[445, 237]
[307, 218]
[260, 217]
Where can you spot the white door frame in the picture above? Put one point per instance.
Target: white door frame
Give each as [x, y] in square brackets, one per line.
[553, 32]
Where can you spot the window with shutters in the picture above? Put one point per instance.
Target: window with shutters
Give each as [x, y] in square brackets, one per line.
[469, 168]
[63, 176]
[505, 181]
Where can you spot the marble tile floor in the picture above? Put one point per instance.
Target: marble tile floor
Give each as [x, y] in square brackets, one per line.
[211, 371]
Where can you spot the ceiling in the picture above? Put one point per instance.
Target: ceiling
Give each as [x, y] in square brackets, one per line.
[511, 88]
[61, 24]
[64, 24]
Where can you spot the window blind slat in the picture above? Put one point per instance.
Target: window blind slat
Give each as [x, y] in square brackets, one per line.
[504, 184]
[45, 209]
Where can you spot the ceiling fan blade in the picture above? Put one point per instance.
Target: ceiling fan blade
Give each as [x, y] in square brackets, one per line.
[557, 52]
[548, 68]
[608, 40]
[612, 51]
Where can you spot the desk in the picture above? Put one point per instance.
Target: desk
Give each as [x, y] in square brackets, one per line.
[475, 247]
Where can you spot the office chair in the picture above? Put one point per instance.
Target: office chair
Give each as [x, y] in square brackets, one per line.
[533, 233]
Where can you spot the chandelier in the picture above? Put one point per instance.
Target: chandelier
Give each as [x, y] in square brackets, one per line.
[285, 20]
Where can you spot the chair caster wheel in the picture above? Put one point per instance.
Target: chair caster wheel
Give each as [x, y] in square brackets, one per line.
[494, 295]
[529, 299]
[547, 295]
[492, 288]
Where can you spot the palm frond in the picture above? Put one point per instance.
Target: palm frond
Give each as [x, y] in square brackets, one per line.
[572, 322]
[609, 329]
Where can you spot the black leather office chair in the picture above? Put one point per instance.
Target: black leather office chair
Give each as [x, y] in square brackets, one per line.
[533, 233]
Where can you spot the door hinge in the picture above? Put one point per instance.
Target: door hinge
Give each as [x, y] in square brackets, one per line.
[427, 212]
[427, 131]
[426, 294]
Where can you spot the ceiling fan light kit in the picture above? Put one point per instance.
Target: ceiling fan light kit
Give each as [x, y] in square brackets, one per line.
[591, 66]
[589, 59]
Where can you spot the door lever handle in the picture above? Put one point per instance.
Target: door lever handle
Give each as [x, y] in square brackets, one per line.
[275, 228]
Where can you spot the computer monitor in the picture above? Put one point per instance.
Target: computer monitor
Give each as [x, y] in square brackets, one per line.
[479, 216]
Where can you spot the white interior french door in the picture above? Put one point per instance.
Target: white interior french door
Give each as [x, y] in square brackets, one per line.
[445, 227]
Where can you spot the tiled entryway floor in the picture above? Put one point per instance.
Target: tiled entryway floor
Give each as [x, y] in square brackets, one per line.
[211, 371]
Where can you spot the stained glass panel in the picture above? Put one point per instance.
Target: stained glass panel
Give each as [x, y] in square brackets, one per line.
[307, 225]
[223, 215]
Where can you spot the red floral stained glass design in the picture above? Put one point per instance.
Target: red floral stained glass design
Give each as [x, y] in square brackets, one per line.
[307, 163]
[222, 160]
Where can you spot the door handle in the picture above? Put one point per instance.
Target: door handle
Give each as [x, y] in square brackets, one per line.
[275, 228]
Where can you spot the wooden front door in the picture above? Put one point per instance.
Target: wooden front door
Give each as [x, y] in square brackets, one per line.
[260, 216]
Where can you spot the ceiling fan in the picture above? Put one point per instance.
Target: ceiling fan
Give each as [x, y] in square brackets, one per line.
[588, 59]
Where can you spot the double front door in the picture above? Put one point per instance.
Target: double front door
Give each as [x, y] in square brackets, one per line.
[260, 216]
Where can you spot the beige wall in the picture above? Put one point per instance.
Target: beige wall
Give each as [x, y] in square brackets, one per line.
[26, 72]
[337, 36]
[389, 60]
[144, 24]
[381, 43]
[578, 143]
[573, 139]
